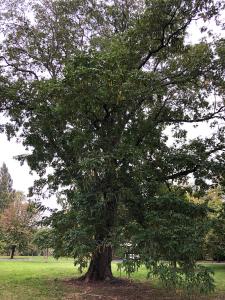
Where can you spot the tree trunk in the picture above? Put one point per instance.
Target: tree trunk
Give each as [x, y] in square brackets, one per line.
[13, 249]
[100, 266]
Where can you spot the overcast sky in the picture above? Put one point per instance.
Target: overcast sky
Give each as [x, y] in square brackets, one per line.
[22, 179]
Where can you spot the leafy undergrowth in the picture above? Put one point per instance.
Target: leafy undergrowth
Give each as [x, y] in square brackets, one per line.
[38, 279]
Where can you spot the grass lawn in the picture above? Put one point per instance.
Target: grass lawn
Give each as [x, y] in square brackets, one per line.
[35, 279]
[40, 279]
[219, 275]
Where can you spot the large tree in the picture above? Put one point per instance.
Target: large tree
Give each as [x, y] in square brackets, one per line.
[91, 87]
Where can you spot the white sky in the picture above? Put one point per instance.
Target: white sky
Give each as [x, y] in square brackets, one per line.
[22, 179]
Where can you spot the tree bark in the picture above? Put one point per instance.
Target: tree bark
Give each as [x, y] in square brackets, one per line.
[100, 266]
[13, 249]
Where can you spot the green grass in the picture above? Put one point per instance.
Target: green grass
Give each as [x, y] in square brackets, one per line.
[38, 279]
[219, 275]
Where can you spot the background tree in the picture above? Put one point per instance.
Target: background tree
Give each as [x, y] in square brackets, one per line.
[6, 189]
[215, 240]
[17, 224]
[43, 239]
[216, 237]
[95, 108]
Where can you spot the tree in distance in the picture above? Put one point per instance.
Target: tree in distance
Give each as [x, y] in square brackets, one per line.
[92, 89]
[17, 224]
[43, 240]
[215, 239]
[6, 189]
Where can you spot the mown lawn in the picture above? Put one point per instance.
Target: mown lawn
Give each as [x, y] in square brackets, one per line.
[41, 279]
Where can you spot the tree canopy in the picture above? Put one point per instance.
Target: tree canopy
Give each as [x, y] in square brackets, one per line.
[91, 88]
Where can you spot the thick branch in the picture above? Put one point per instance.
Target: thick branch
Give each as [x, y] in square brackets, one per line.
[19, 69]
[164, 43]
[182, 173]
[195, 167]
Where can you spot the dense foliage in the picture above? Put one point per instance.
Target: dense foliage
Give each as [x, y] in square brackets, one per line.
[93, 88]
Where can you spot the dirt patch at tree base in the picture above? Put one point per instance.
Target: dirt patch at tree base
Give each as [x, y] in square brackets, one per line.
[123, 290]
